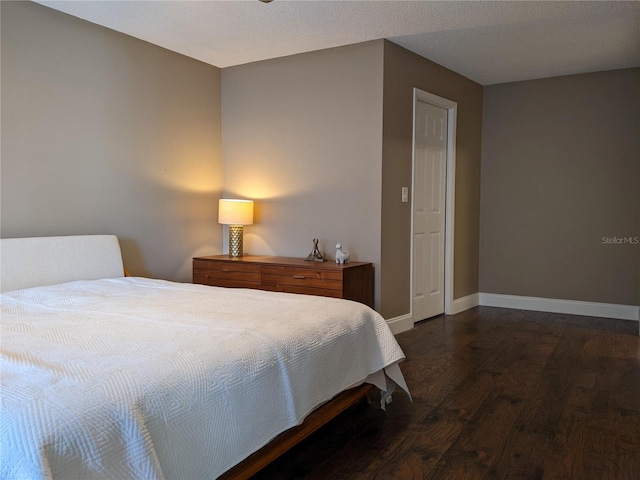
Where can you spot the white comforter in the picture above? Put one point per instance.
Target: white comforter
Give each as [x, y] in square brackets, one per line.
[146, 379]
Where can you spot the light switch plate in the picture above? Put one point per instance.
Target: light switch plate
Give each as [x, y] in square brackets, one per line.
[405, 194]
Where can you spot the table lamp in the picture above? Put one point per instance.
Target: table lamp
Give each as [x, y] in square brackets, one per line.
[235, 213]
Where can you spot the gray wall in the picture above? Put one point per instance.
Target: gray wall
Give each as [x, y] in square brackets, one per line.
[560, 171]
[404, 70]
[103, 133]
[302, 135]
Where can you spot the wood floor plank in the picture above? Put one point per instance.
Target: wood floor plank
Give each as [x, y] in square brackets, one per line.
[498, 393]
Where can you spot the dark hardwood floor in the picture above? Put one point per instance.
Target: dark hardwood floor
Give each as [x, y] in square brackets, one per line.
[497, 393]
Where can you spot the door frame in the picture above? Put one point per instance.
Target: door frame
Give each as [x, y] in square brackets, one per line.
[450, 195]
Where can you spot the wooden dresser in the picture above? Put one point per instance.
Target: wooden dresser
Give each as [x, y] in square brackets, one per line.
[353, 281]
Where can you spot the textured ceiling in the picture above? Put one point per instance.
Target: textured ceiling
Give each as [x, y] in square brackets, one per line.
[489, 42]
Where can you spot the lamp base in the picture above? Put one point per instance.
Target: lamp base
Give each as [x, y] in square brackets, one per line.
[236, 249]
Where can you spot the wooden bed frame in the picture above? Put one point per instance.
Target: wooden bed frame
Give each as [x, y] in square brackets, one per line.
[288, 439]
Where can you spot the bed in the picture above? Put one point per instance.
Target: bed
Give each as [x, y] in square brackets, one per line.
[107, 376]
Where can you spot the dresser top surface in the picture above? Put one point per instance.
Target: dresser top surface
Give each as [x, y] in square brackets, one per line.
[286, 261]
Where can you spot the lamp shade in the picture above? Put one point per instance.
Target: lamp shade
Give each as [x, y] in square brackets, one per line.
[235, 212]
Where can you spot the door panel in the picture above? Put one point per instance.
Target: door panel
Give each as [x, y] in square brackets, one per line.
[429, 173]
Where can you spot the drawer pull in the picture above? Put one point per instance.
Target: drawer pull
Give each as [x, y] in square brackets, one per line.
[299, 277]
[224, 270]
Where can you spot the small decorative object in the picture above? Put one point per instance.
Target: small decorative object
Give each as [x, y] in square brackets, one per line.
[341, 257]
[315, 255]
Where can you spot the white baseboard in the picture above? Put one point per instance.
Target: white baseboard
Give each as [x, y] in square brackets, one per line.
[400, 324]
[572, 307]
[405, 322]
[464, 303]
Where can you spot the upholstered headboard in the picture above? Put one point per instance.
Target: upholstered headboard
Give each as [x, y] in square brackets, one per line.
[38, 261]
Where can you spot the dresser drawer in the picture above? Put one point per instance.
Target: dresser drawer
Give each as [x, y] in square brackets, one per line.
[226, 267]
[280, 276]
[302, 289]
[226, 274]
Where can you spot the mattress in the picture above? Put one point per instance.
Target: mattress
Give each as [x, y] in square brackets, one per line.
[138, 378]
